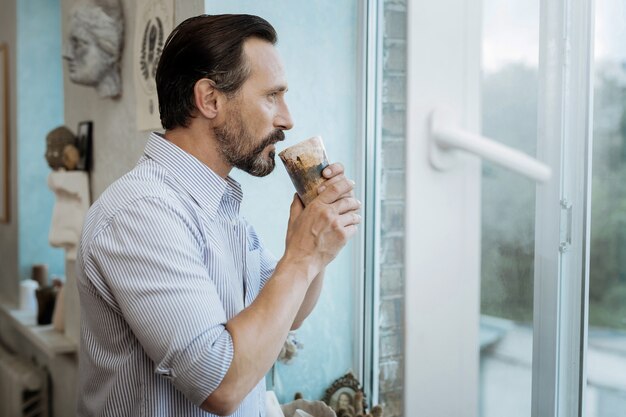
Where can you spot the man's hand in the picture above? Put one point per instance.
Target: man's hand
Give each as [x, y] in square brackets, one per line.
[317, 233]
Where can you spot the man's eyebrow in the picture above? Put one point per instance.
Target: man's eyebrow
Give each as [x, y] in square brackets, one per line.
[278, 88]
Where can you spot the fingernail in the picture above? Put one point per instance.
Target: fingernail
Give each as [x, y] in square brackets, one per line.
[321, 189]
[327, 172]
[353, 183]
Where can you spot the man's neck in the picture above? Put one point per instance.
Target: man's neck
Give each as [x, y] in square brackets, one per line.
[200, 145]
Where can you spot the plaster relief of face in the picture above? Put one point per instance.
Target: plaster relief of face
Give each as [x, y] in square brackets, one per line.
[94, 46]
[86, 62]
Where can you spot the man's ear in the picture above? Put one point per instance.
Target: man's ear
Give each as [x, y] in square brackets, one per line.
[206, 97]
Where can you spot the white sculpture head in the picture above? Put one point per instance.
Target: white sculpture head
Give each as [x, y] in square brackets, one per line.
[94, 47]
[71, 190]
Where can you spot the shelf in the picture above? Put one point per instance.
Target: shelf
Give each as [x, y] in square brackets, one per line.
[48, 340]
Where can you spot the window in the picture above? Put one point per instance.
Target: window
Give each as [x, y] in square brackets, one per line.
[526, 351]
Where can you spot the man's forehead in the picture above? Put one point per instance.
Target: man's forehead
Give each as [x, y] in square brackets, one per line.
[265, 62]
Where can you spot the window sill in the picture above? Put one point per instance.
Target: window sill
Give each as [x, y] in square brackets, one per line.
[45, 338]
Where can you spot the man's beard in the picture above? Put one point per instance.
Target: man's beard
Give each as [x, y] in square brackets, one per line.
[234, 145]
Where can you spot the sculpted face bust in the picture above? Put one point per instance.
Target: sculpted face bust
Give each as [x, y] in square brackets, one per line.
[94, 47]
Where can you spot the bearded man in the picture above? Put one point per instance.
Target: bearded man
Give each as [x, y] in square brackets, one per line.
[183, 309]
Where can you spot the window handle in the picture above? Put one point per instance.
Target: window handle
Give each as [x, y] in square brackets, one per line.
[446, 140]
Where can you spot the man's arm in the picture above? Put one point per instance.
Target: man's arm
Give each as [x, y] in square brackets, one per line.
[258, 334]
[310, 300]
[314, 237]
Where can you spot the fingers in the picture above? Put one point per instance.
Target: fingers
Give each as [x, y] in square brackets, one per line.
[330, 182]
[346, 204]
[329, 193]
[333, 170]
[334, 173]
[350, 230]
[348, 219]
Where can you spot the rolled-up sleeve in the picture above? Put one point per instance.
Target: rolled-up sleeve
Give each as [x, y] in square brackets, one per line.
[150, 257]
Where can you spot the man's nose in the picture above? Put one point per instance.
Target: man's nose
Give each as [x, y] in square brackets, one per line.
[283, 119]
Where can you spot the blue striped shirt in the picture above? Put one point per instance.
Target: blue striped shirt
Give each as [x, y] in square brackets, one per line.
[164, 262]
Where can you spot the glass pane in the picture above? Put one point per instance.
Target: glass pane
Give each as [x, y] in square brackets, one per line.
[606, 351]
[509, 115]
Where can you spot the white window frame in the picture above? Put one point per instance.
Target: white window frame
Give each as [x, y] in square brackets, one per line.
[442, 258]
[563, 208]
[443, 211]
[368, 249]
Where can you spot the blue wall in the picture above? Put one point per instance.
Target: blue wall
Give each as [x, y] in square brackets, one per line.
[39, 110]
[318, 43]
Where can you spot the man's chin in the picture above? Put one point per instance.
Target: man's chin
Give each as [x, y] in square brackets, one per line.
[263, 170]
[266, 172]
[260, 174]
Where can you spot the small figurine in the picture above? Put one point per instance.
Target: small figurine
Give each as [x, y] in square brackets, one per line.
[72, 200]
[60, 146]
[66, 152]
[290, 348]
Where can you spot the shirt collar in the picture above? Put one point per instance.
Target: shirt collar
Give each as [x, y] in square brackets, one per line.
[200, 181]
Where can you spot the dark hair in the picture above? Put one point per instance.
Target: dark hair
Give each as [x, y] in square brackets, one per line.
[205, 46]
